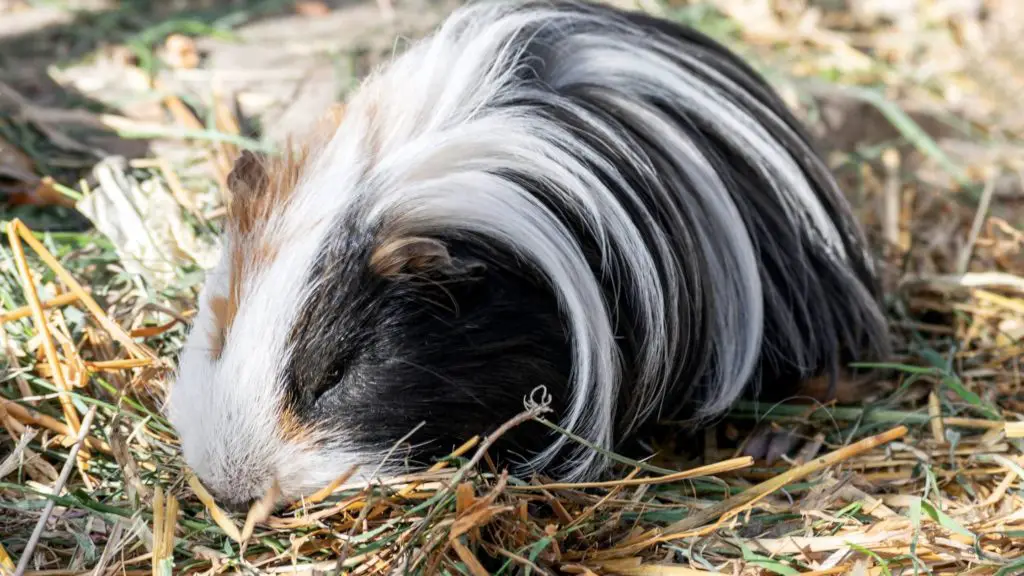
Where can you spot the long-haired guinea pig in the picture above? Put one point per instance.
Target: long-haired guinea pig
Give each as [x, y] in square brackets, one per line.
[548, 193]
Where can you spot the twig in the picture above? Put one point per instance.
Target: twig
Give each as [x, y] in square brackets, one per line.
[34, 417]
[605, 453]
[709, 470]
[325, 492]
[465, 447]
[26, 311]
[761, 490]
[260, 511]
[347, 546]
[42, 328]
[114, 544]
[114, 328]
[216, 514]
[748, 410]
[343, 556]
[532, 411]
[891, 227]
[65, 472]
[14, 366]
[979, 220]
[522, 561]
[969, 280]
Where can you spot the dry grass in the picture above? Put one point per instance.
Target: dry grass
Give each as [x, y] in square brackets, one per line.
[927, 476]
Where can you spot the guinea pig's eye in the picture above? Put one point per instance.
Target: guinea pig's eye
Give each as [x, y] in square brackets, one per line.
[330, 378]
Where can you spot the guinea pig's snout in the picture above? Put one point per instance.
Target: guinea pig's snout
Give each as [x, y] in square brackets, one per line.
[232, 497]
[234, 503]
[233, 487]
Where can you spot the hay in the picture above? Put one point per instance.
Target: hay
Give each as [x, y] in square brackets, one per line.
[926, 476]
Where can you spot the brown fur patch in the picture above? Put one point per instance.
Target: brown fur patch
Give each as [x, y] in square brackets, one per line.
[291, 428]
[220, 307]
[408, 255]
[261, 186]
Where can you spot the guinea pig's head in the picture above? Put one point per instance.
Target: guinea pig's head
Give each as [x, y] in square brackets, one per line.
[330, 330]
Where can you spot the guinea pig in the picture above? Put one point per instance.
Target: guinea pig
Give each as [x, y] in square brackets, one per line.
[555, 193]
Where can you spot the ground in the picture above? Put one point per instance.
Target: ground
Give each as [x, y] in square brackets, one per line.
[119, 121]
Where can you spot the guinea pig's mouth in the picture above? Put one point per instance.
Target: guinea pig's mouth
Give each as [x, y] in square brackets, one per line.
[256, 511]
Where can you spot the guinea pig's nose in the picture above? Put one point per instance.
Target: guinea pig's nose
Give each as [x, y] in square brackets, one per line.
[236, 504]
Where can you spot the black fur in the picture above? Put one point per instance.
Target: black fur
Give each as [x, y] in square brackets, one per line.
[378, 356]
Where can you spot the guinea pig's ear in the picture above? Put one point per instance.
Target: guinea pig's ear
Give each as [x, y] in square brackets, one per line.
[248, 183]
[248, 177]
[419, 256]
